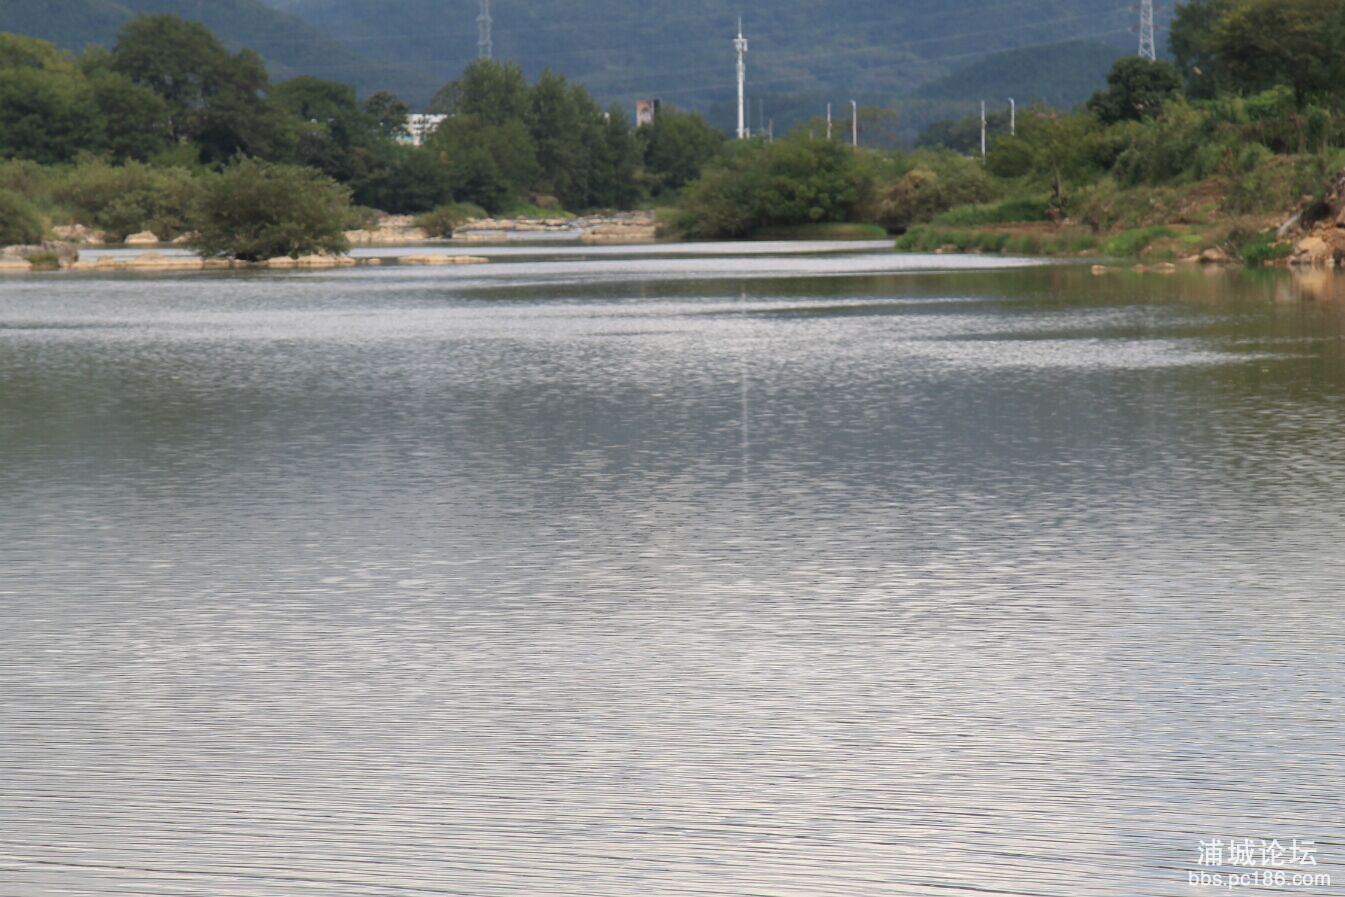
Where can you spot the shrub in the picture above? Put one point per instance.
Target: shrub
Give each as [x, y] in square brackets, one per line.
[1007, 212]
[935, 183]
[125, 199]
[45, 261]
[1131, 243]
[19, 221]
[361, 218]
[255, 210]
[781, 184]
[1262, 248]
[445, 219]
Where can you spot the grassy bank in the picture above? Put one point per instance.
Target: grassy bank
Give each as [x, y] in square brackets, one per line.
[831, 231]
[1215, 216]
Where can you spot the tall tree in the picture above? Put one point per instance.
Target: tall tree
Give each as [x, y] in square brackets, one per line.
[215, 98]
[1137, 88]
[1261, 43]
[1191, 38]
[677, 147]
[47, 109]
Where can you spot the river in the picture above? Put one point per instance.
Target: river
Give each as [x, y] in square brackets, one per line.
[751, 570]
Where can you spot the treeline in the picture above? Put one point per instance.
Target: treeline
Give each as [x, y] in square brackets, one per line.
[1206, 150]
[168, 102]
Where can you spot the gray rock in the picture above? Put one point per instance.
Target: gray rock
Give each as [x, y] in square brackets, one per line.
[66, 253]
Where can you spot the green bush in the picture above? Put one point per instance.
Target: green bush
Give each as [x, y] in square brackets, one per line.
[932, 183]
[45, 261]
[765, 185]
[1027, 245]
[446, 219]
[361, 218]
[19, 221]
[1007, 212]
[1262, 248]
[255, 210]
[126, 199]
[1131, 243]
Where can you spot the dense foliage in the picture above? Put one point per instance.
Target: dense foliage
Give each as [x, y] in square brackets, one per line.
[19, 221]
[255, 210]
[138, 126]
[765, 185]
[505, 138]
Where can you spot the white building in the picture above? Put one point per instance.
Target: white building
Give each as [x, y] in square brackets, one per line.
[419, 128]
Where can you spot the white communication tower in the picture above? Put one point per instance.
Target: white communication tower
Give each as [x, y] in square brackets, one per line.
[1147, 50]
[740, 45]
[485, 45]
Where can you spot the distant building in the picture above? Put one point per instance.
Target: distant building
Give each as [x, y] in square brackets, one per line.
[419, 128]
[645, 112]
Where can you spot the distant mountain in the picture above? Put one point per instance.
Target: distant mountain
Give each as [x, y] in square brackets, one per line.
[803, 54]
[682, 52]
[290, 45]
[1062, 75]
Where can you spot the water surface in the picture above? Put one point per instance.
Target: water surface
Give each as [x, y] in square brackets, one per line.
[591, 572]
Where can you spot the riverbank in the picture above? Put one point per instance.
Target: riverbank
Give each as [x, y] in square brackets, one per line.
[160, 262]
[614, 227]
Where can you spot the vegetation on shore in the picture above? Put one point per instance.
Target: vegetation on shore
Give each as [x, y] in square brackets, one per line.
[160, 132]
[137, 138]
[1165, 162]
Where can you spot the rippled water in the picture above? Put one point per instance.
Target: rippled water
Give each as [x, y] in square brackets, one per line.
[690, 573]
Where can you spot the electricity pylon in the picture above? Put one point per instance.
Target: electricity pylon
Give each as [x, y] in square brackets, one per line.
[485, 45]
[1147, 30]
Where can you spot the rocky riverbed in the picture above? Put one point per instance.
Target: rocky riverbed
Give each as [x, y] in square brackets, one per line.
[619, 227]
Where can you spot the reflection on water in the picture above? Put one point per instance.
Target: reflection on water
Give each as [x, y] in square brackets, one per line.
[583, 575]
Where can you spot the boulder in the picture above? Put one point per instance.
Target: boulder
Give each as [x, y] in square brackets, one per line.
[159, 262]
[391, 230]
[324, 261]
[620, 233]
[66, 254]
[1313, 250]
[149, 261]
[1214, 256]
[144, 238]
[79, 235]
[442, 260]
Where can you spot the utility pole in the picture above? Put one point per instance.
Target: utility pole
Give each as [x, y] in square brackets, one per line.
[854, 123]
[828, 121]
[1147, 30]
[485, 45]
[1013, 118]
[982, 130]
[740, 46]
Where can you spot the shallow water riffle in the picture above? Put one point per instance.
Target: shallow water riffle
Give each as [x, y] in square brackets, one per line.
[734, 570]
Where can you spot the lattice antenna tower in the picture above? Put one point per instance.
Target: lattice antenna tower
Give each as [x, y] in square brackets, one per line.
[485, 46]
[1147, 50]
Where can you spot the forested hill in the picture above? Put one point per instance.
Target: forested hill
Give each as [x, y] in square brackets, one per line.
[682, 51]
[290, 45]
[1062, 75]
[802, 54]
